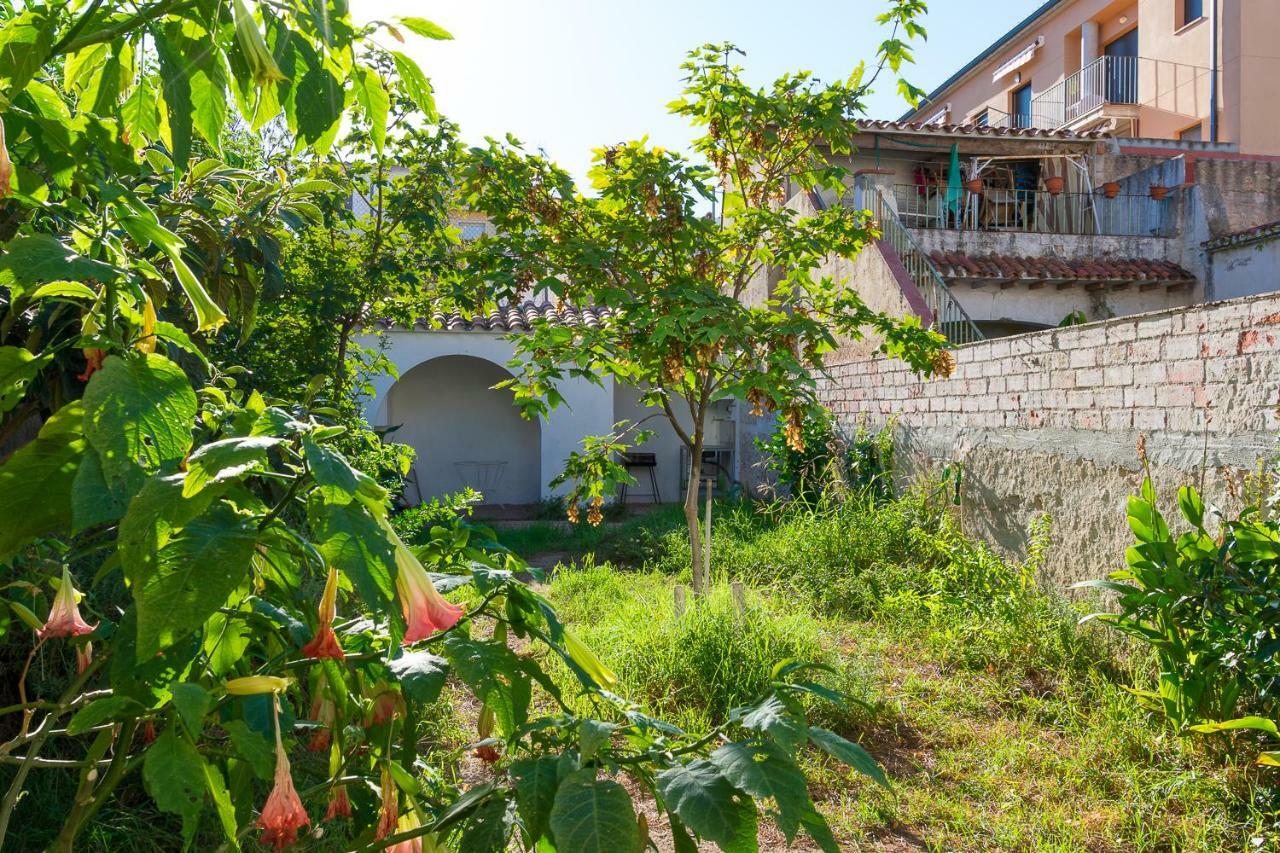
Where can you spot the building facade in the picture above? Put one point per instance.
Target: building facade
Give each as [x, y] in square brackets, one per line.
[1188, 70]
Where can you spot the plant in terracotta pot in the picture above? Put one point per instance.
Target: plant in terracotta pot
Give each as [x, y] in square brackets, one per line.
[1054, 184]
[974, 185]
[1159, 191]
[1111, 189]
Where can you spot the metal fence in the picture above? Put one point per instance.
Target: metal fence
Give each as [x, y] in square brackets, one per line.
[1037, 211]
[1106, 80]
[949, 318]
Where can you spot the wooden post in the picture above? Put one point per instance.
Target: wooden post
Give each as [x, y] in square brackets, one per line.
[678, 592]
[706, 550]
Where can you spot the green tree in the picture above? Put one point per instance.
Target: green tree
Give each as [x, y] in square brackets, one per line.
[702, 307]
[188, 544]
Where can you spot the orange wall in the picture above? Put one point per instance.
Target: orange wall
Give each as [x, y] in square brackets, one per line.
[1174, 80]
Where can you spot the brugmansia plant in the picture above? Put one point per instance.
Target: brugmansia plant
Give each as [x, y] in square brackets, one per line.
[220, 605]
[701, 307]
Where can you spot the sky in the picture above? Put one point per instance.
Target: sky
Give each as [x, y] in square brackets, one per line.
[571, 75]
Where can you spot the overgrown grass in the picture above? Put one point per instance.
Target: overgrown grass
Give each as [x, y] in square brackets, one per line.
[1004, 723]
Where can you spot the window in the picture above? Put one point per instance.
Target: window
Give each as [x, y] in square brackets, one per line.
[1195, 133]
[1192, 10]
[1020, 106]
[471, 230]
[982, 119]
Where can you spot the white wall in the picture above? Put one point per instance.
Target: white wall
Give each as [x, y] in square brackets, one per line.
[665, 445]
[587, 410]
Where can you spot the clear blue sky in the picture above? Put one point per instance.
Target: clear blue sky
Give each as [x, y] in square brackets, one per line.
[570, 75]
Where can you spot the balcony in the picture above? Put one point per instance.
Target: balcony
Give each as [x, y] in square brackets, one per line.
[1037, 212]
[1112, 88]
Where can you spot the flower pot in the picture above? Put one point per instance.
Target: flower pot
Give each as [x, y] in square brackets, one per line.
[1111, 189]
[1055, 184]
[974, 185]
[1158, 192]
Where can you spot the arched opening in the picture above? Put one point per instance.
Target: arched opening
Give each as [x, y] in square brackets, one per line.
[465, 432]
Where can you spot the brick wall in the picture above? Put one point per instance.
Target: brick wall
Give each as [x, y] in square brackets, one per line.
[1049, 421]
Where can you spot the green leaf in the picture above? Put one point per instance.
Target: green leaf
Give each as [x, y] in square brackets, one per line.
[593, 816]
[421, 674]
[764, 770]
[25, 41]
[706, 803]
[592, 735]
[94, 500]
[222, 803]
[41, 258]
[18, 366]
[174, 775]
[192, 702]
[353, 541]
[850, 753]
[36, 481]
[100, 711]
[139, 410]
[1270, 759]
[339, 481]
[1261, 724]
[225, 460]
[495, 676]
[781, 722]
[372, 97]
[537, 780]
[425, 28]
[1191, 505]
[488, 829]
[175, 72]
[193, 576]
[144, 230]
[225, 640]
[319, 101]
[65, 289]
[252, 747]
[415, 83]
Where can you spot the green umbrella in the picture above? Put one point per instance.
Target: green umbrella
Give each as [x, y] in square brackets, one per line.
[955, 190]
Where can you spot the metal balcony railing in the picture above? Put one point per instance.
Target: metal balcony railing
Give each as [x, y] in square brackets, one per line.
[1106, 80]
[1037, 212]
[949, 317]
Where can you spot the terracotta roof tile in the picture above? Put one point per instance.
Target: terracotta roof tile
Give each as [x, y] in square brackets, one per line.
[956, 265]
[517, 318]
[982, 130]
[1246, 235]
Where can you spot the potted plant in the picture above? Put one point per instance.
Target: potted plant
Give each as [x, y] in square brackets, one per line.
[1158, 192]
[1111, 189]
[974, 185]
[1054, 184]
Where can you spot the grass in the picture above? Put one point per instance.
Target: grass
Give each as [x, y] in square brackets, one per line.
[1003, 722]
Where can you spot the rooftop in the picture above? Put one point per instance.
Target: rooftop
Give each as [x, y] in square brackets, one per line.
[978, 270]
[1257, 233]
[517, 318]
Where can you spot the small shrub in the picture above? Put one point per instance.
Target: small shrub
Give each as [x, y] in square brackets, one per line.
[829, 461]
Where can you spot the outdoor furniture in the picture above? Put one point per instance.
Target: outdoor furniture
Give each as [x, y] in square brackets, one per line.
[483, 476]
[643, 461]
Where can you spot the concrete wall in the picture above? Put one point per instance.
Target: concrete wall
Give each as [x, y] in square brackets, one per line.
[1245, 270]
[1049, 421]
[460, 425]
[587, 410]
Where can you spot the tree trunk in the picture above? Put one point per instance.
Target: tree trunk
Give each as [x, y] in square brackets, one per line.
[699, 581]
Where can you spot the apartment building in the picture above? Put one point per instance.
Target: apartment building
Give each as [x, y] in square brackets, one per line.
[1133, 69]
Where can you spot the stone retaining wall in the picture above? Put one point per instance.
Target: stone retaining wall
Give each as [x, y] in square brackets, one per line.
[1049, 422]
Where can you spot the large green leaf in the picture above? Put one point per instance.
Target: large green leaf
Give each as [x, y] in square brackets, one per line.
[193, 576]
[339, 481]
[25, 40]
[593, 815]
[537, 780]
[319, 101]
[425, 28]
[708, 804]
[40, 258]
[421, 675]
[146, 230]
[415, 83]
[36, 482]
[94, 500]
[783, 723]
[226, 460]
[18, 366]
[176, 77]
[353, 541]
[764, 770]
[174, 775]
[488, 828]
[139, 410]
[848, 752]
[496, 677]
[372, 97]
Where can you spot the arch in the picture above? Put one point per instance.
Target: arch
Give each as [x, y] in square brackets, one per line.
[465, 431]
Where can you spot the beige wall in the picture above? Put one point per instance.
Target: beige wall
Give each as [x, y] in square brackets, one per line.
[1174, 80]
